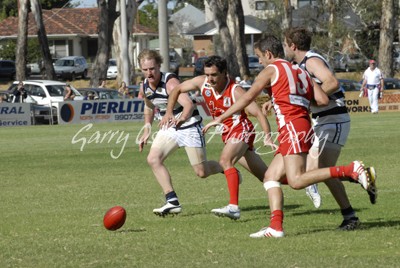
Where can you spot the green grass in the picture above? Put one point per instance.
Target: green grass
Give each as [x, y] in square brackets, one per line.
[53, 198]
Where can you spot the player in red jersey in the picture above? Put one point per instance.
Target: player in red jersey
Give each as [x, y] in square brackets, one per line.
[238, 134]
[291, 91]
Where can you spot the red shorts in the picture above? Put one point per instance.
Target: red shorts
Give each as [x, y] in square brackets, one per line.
[295, 137]
[244, 131]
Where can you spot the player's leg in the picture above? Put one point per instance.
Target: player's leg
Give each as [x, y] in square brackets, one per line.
[163, 145]
[192, 139]
[233, 150]
[201, 166]
[253, 163]
[275, 171]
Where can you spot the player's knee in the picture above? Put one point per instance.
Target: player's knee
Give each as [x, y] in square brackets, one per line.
[153, 161]
[200, 171]
[225, 163]
[295, 184]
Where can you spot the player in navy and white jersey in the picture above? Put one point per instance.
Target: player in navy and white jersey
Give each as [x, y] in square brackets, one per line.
[156, 88]
[331, 123]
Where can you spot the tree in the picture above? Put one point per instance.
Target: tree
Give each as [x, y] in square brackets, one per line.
[235, 21]
[22, 38]
[10, 7]
[148, 16]
[42, 36]
[108, 15]
[219, 7]
[386, 38]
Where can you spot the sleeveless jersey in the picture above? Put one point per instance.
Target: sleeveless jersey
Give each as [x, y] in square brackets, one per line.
[218, 103]
[291, 92]
[159, 98]
[335, 111]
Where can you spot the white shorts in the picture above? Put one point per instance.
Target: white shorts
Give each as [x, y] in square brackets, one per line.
[187, 137]
[335, 133]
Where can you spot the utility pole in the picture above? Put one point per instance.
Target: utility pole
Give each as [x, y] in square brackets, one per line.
[163, 33]
[124, 45]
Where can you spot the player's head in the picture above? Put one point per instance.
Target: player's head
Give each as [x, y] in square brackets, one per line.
[218, 62]
[268, 45]
[300, 37]
[150, 63]
[215, 68]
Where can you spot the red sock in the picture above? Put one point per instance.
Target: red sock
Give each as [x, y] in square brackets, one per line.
[342, 171]
[276, 220]
[232, 178]
[284, 181]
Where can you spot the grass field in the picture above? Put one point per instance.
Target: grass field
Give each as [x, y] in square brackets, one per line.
[54, 193]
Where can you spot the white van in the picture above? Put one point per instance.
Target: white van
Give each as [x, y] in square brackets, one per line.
[45, 92]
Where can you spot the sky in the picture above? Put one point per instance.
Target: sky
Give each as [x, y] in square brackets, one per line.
[93, 3]
[85, 3]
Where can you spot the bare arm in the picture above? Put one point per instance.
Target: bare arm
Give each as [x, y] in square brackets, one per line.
[262, 81]
[178, 93]
[317, 68]
[320, 96]
[253, 109]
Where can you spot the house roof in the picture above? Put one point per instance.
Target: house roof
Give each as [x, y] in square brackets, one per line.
[64, 21]
[311, 17]
[252, 25]
[189, 14]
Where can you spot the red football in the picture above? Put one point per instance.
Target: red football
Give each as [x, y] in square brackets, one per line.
[114, 218]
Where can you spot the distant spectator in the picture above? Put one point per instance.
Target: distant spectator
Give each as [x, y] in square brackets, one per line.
[102, 84]
[68, 93]
[122, 88]
[19, 93]
[373, 82]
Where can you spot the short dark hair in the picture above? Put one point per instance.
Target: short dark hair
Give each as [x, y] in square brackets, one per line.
[272, 44]
[301, 37]
[218, 62]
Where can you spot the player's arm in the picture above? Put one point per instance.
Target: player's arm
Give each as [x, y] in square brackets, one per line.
[320, 97]
[317, 68]
[262, 81]
[148, 120]
[254, 110]
[178, 93]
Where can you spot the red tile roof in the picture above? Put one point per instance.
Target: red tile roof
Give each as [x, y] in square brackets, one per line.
[65, 21]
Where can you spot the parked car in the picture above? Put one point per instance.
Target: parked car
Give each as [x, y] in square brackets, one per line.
[71, 67]
[7, 69]
[45, 92]
[99, 93]
[199, 66]
[391, 83]
[254, 65]
[349, 85]
[42, 114]
[350, 62]
[34, 68]
[112, 70]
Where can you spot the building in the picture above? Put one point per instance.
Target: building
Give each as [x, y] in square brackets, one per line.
[71, 31]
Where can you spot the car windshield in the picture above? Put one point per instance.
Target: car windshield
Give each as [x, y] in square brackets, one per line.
[55, 90]
[112, 63]
[64, 63]
[253, 60]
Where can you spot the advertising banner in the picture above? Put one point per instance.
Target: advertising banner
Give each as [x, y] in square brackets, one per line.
[389, 103]
[98, 111]
[15, 114]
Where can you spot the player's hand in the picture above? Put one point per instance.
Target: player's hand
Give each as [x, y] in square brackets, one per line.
[266, 107]
[215, 122]
[168, 120]
[142, 143]
[269, 142]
